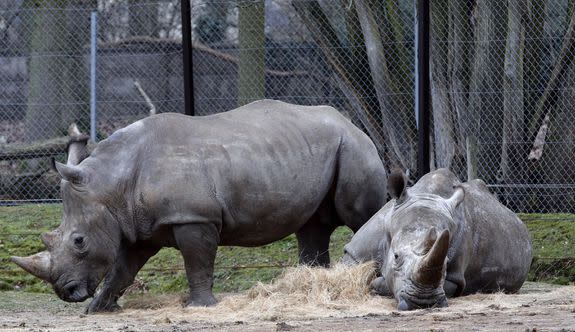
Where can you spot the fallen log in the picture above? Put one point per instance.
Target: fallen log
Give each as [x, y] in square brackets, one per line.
[46, 148]
[38, 149]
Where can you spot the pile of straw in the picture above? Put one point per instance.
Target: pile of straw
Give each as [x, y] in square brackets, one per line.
[299, 293]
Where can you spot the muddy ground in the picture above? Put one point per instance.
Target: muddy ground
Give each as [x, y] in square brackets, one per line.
[539, 307]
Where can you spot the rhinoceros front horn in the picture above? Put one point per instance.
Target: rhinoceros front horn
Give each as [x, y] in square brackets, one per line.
[38, 264]
[430, 269]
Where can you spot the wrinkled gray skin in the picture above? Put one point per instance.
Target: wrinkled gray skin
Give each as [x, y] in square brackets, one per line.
[246, 177]
[442, 238]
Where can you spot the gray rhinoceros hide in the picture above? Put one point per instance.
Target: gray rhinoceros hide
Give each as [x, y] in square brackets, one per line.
[442, 238]
[246, 177]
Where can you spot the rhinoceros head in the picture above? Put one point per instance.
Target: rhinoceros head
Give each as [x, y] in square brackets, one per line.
[81, 250]
[415, 264]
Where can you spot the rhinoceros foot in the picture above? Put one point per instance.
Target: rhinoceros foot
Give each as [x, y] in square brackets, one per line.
[99, 307]
[201, 301]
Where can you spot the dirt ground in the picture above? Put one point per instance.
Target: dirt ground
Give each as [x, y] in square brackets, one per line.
[301, 299]
[538, 307]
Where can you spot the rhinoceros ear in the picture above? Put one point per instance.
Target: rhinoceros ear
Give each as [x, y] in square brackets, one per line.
[38, 264]
[456, 198]
[396, 185]
[71, 173]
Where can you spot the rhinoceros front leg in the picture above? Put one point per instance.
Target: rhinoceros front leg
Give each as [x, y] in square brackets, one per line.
[198, 244]
[120, 277]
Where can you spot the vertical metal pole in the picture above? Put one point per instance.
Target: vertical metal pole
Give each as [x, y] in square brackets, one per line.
[187, 57]
[93, 73]
[423, 95]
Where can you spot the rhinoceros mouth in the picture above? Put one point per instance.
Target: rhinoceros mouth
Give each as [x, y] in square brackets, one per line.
[416, 297]
[75, 291]
[418, 303]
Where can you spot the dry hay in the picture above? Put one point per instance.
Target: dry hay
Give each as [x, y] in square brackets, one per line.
[304, 293]
[300, 293]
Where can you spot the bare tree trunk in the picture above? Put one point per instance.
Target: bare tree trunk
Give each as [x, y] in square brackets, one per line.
[349, 82]
[459, 54]
[512, 160]
[562, 63]
[58, 89]
[388, 118]
[44, 94]
[443, 126]
[73, 83]
[397, 117]
[534, 53]
[485, 101]
[251, 67]
[557, 164]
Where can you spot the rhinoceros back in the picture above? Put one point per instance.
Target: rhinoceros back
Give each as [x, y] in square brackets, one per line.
[500, 246]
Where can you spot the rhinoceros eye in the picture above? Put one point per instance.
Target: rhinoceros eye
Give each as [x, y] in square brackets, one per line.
[398, 261]
[79, 241]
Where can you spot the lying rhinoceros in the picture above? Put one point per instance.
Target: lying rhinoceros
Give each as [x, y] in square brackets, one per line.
[442, 238]
[246, 177]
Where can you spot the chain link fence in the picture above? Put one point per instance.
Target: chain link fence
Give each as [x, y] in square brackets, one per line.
[501, 77]
[502, 88]
[46, 79]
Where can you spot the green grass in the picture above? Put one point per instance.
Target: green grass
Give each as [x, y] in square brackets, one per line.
[238, 268]
[553, 239]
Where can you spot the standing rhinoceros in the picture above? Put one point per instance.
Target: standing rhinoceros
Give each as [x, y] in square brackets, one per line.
[442, 238]
[246, 177]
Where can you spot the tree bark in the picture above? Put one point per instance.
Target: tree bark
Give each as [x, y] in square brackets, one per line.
[251, 70]
[485, 101]
[443, 126]
[557, 164]
[397, 115]
[58, 89]
[512, 159]
[45, 71]
[549, 97]
[74, 83]
[459, 59]
[360, 97]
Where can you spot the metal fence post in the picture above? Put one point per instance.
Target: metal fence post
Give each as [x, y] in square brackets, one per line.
[93, 73]
[422, 86]
[187, 57]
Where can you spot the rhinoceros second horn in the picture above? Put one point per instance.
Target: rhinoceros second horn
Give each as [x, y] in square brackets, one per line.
[37, 264]
[48, 239]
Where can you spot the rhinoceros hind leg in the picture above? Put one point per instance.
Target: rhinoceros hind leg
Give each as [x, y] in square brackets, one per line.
[313, 242]
[121, 276]
[198, 244]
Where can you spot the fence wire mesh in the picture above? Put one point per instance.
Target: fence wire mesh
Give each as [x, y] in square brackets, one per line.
[45, 75]
[501, 76]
